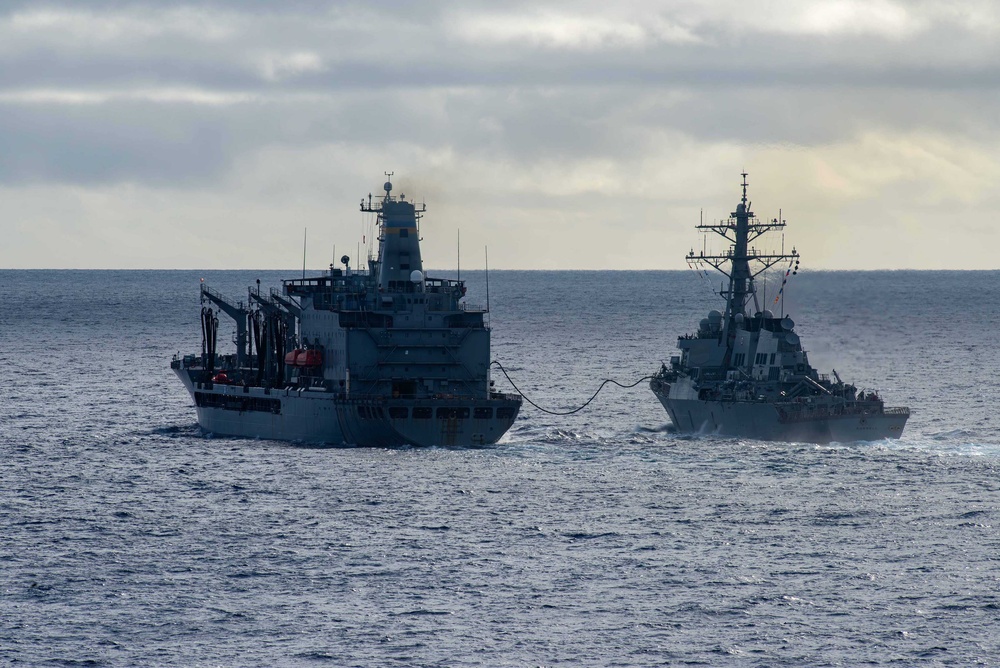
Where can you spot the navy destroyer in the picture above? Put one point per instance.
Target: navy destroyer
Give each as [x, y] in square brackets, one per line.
[745, 373]
[385, 356]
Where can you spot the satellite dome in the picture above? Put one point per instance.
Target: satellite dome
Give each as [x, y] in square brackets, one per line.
[738, 318]
[387, 186]
[416, 276]
[703, 324]
[714, 315]
[768, 314]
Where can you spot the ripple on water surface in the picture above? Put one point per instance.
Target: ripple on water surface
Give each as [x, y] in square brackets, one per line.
[601, 538]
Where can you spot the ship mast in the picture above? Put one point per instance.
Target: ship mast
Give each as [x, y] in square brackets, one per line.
[742, 263]
[399, 239]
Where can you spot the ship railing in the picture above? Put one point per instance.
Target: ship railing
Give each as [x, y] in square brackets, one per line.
[712, 373]
[440, 284]
[381, 399]
[795, 412]
[339, 284]
[472, 308]
[218, 297]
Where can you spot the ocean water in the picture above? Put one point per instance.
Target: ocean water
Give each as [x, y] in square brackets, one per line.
[127, 537]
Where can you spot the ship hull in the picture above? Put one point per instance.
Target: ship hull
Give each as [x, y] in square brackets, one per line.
[763, 421]
[324, 418]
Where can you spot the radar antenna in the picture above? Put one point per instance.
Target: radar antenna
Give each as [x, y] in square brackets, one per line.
[741, 264]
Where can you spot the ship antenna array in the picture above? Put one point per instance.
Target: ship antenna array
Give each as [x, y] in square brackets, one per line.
[575, 410]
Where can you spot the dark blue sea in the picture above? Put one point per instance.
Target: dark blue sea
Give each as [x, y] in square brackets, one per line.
[129, 538]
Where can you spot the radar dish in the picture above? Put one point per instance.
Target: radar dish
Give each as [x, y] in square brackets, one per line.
[416, 276]
[345, 260]
[787, 323]
[791, 338]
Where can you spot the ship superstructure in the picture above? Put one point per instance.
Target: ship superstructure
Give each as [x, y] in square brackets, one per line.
[745, 373]
[383, 356]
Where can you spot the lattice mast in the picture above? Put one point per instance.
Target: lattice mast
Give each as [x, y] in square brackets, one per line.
[742, 263]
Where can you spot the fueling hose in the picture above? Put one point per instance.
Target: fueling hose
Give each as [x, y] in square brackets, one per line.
[575, 410]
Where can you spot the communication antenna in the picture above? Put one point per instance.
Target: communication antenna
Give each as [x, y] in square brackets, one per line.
[487, 279]
[459, 254]
[305, 235]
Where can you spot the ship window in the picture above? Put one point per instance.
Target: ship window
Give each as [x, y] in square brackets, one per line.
[446, 413]
[404, 232]
[482, 413]
[421, 412]
[772, 359]
[404, 388]
[774, 373]
[404, 266]
[399, 412]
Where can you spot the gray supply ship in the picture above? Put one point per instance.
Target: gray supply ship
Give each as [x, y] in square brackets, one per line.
[745, 373]
[381, 357]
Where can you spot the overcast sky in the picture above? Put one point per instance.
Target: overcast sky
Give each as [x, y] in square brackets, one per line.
[562, 134]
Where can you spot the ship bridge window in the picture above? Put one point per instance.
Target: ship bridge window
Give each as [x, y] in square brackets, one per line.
[404, 232]
[422, 412]
[482, 413]
[398, 412]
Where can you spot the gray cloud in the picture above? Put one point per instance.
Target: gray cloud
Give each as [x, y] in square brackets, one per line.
[554, 110]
